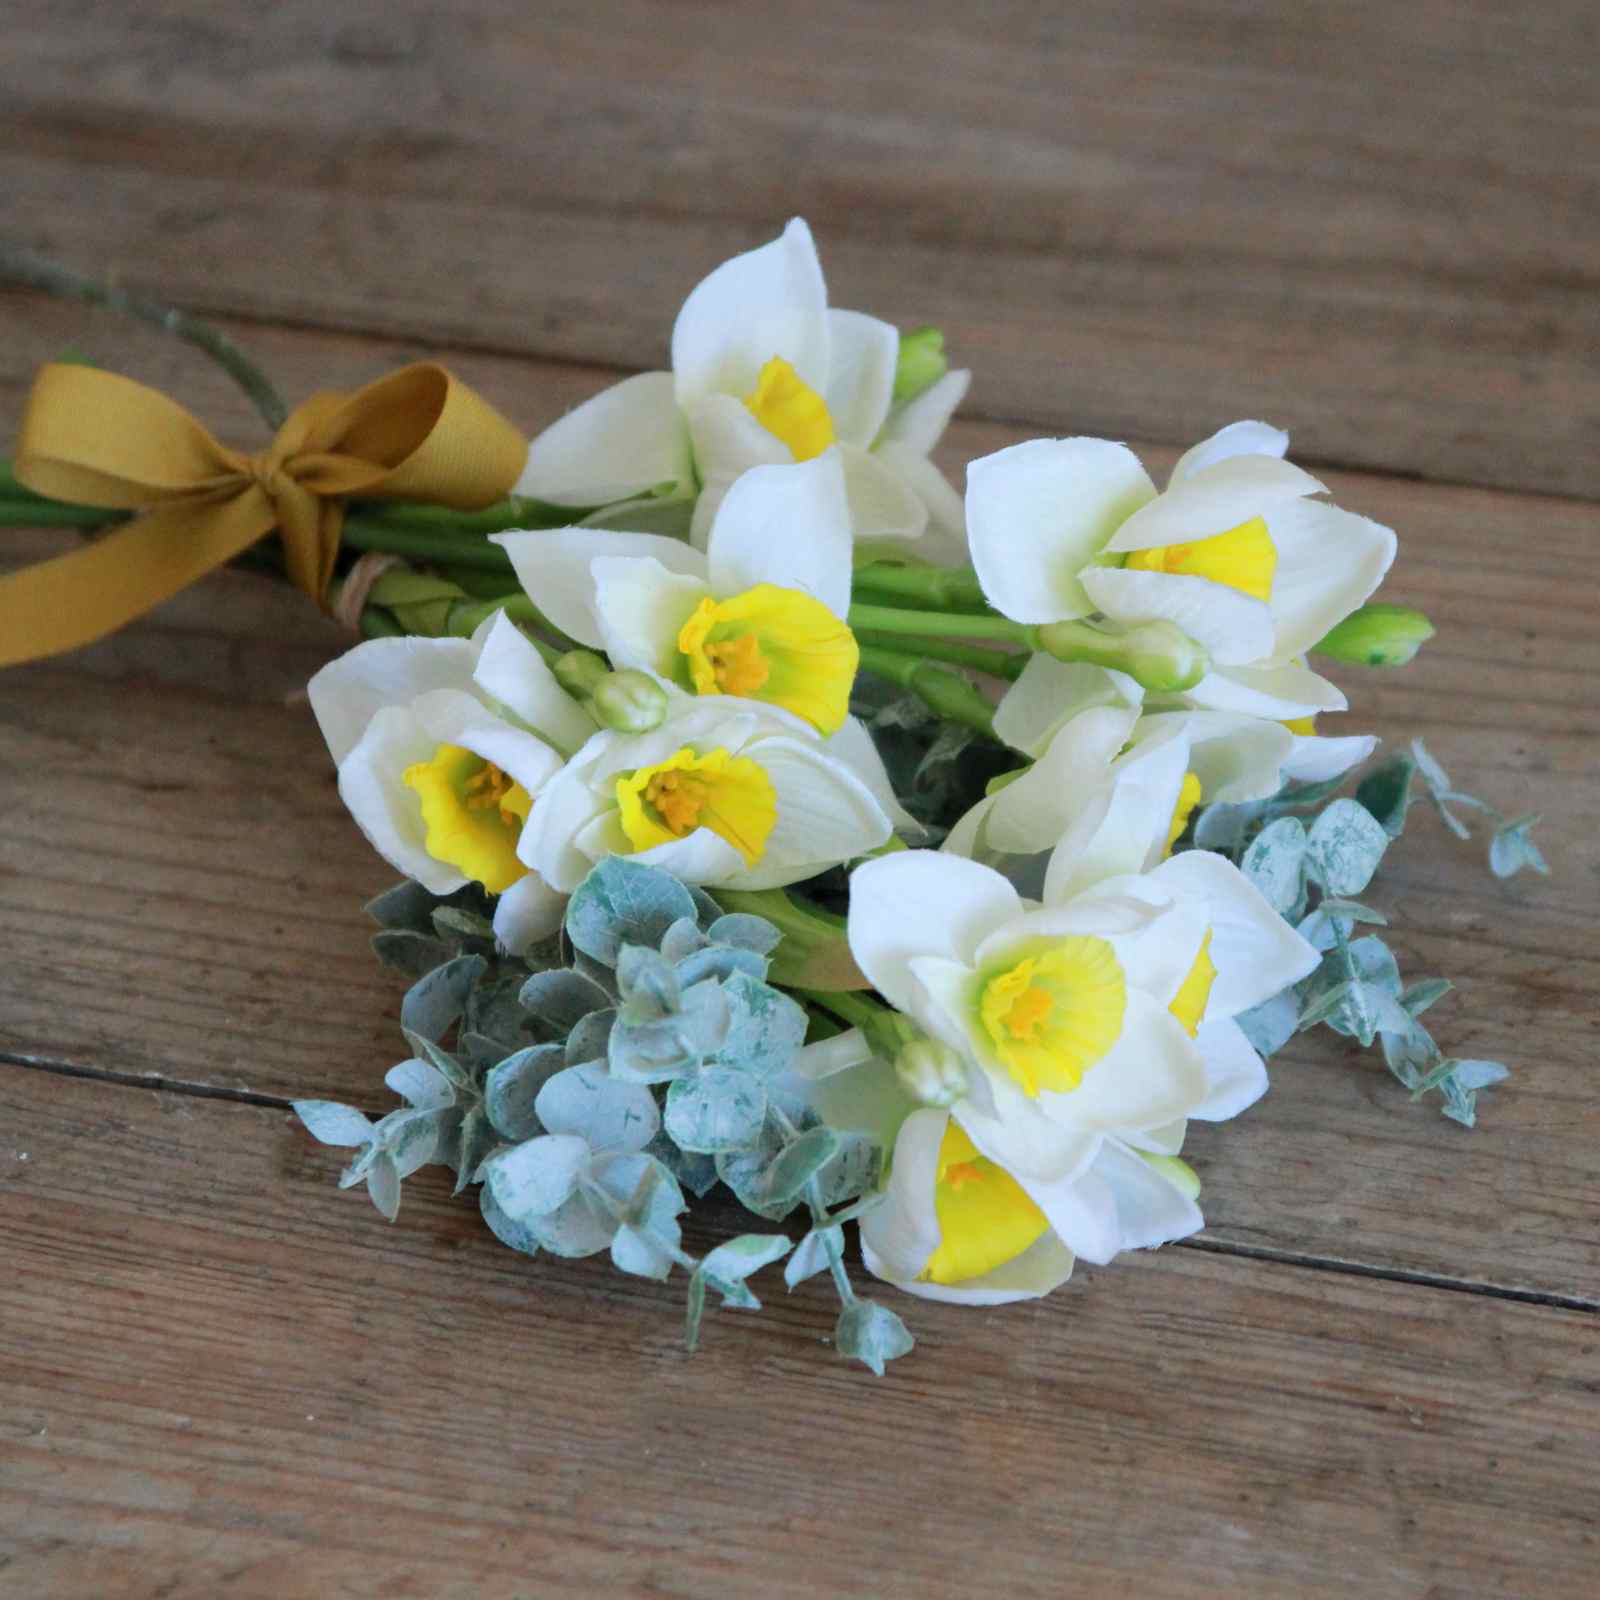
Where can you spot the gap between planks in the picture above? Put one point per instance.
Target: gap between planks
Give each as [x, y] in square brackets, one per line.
[1218, 1247]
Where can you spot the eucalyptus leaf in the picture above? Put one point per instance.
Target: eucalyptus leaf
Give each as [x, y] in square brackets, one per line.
[1275, 863]
[694, 1310]
[624, 902]
[1386, 793]
[749, 1252]
[561, 997]
[435, 1002]
[406, 905]
[813, 1254]
[1511, 849]
[766, 1028]
[745, 932]
[536, 1177]
[590, 1038]
[515, 1234]
[610, 1113]
[511, 1088]
[1270, 1025]
[799, 1162]
[648, 983]
[720, 961]
[1480, 1074]
[420, 1084]
[682, 939]
[473, 1141]
[719, 1109]
[328, 1122]
[451, 922]
[1419, 996]
[383, 1184]
[1344, 847]
[409, 952]
[871, 1333]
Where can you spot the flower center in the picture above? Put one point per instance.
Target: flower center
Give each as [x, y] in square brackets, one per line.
[1188, 799]
[472, 814]
[778, 645]
[985, 1216]
[730, 795]
[1306, 726]
[1243, 558]
[1053, 1014]
[1189, 1003]
[790, 409]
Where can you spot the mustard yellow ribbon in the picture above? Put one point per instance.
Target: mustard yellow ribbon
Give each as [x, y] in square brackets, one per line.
[97, 439]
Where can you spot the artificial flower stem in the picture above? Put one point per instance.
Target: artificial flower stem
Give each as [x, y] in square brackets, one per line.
[849, 1006]
[997, 663]
[940, 624]
[514, 513]
[929, 588]
[34, 272]
[943, 691]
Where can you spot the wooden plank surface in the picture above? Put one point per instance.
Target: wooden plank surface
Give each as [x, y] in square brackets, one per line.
[1376, 223]
[210, 1393]
[185, 904]
[1376, 1370]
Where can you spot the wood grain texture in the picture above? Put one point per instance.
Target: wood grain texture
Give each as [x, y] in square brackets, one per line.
[1375, 224]
[181, 888]
[222, 1378]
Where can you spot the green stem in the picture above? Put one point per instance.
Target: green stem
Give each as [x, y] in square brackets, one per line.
[940, 624]
[850, 1006]
[929, 588]
[55, 514]
[514, 513]
[376, 623]
[945, 692]
[997, 663]
[33, 272]
[426, 544]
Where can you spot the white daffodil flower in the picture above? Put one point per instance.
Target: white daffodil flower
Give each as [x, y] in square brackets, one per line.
[1080, 1022]
[1234, 552]
[763, 372]
[760, 614]
[955, 1225]
[443, 747]
[725, 792]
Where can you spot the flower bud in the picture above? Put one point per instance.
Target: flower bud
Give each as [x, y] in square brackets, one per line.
[1159, 656]
[420, 602]
[579, 671]
[628, 702]
[1377, 635]
[931, 1072]
[921, 363]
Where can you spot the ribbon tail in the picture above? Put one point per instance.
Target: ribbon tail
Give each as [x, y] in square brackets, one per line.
[74, 599]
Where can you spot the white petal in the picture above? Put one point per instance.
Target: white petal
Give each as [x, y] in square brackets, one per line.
[1150, 1210]
[1044, 1265]
[1031, 813]
[867, 1098]
[351, 690]
[1234, 627]
[882, 504]
[919, 424]
[786, 525]
[1256, 953]
[1082, 1214]
[1315, 760]
[1329, 561]
[728, 441]
[853, 746]
[1038, 513]
[1237, 439]
[627, 440]
[1032, 1145]
[903, 1229]
[449, 716]
[768, 302]
[826, 815]
[1274, 692]
[512, 672]
[1152, 1074]
[862, 353]
[1049, 692]
[945, 540]
[915, 903]
[1235, 758]
[700, 857]
[642, 608]
[1215, 499]
[555, 567]
[372, 785]
[530, 910]
[564, 809]
[1236, 1076]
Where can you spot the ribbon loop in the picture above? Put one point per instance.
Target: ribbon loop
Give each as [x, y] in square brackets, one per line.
[95, 438]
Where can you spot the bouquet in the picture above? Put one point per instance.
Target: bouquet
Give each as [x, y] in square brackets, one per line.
[775, 818]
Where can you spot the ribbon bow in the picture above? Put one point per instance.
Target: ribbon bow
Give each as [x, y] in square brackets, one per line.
[102, 440]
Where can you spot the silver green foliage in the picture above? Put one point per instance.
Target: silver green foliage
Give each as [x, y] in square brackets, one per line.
[1310, 852]
[590, 1088]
